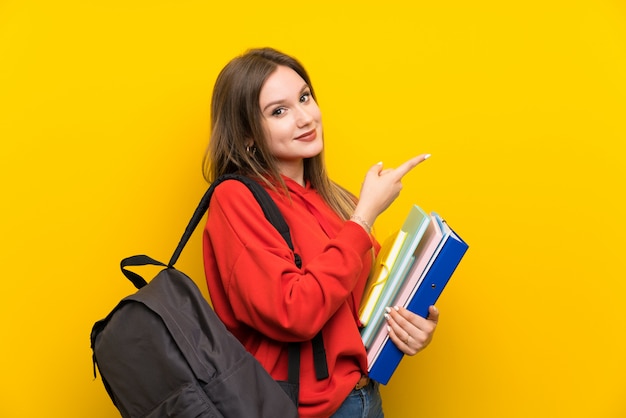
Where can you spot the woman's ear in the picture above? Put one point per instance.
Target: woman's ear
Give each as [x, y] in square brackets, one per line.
[250, 148]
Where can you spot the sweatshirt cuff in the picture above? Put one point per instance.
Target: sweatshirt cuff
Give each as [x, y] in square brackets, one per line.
[353, 232]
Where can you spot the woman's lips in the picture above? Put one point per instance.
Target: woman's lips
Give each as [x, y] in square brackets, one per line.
[308, 136]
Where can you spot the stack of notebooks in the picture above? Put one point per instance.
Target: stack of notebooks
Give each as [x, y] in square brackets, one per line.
[411, 270]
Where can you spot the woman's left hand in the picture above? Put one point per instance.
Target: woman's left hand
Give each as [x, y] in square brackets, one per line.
[410, 332]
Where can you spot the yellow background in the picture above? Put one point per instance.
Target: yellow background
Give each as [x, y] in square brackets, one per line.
[104, 119]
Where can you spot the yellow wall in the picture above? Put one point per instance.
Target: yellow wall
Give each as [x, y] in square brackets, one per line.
[104, 117]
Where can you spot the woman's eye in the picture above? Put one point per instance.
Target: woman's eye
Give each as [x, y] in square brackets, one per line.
[278, 112]
[305, 97]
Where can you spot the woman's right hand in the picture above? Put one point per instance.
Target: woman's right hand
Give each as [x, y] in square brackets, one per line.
[381, 187]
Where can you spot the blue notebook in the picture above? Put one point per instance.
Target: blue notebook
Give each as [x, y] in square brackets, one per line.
[429, 247]
[435, 279]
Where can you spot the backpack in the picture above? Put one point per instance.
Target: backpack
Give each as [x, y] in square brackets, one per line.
[163, 352]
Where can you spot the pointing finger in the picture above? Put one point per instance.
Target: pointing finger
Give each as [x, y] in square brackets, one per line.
[410, 164]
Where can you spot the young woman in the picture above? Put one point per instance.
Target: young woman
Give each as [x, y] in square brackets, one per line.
[267, 125]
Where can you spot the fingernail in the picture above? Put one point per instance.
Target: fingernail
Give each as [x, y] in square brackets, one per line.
[388, 328]
[427, 156]
[397, 308]
[379, 163]
[387, 317]
[387, 309]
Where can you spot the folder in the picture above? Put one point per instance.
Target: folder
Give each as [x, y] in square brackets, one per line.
[375, 285]
[436, 277]
[426, 251]
[414, 226]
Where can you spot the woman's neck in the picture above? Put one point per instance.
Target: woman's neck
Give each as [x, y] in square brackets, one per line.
[294, 171]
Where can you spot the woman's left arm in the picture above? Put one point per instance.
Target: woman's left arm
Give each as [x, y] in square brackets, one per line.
[410, 332]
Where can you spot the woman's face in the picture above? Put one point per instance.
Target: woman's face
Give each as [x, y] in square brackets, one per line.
[291, 119]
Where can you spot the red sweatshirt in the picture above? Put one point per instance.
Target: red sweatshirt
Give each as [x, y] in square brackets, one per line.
[266, 301]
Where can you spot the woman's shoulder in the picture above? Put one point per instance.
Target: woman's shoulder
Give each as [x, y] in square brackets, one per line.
[232, 191]
[234, 195]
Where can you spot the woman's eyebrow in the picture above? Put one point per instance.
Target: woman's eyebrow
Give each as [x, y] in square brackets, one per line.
[273, 103]
[304, 88]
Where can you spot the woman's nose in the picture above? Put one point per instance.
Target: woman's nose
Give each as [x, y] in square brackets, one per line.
[304, 117]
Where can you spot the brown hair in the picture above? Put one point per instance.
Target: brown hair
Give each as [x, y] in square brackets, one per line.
[236, 120]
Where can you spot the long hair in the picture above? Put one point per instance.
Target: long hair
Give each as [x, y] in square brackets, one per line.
[236, 119]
